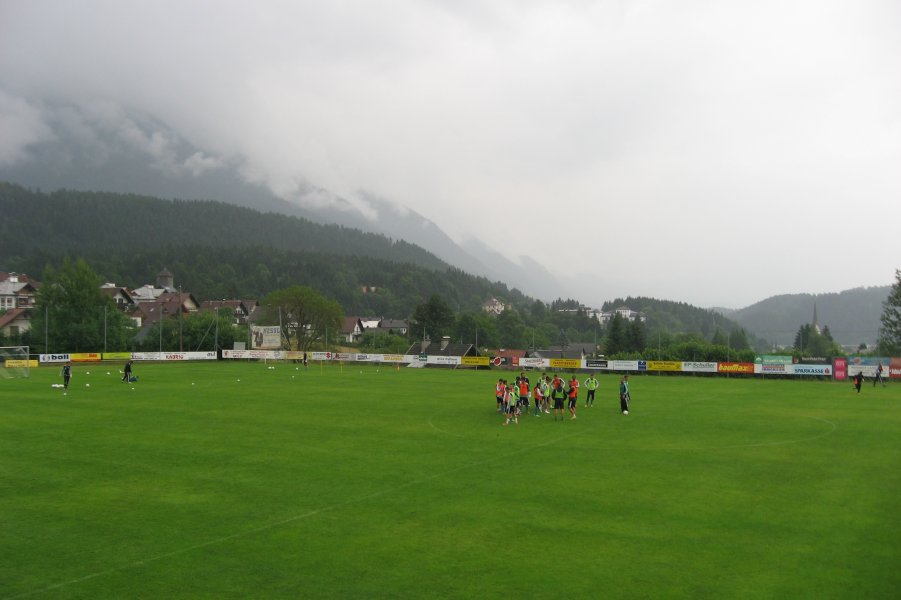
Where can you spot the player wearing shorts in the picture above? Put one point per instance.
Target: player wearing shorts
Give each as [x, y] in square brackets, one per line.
[558, 395]
[591, 384]
[524, 393]
[499, 393]
[573, 393]
[512, 410]
[538, 395]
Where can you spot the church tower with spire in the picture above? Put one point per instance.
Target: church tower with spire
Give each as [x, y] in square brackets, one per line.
[816, 323]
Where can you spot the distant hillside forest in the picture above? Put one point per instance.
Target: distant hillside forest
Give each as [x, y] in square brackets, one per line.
[852, 315]
[220, 251]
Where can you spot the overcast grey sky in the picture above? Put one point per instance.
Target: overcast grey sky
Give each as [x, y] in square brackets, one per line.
[711, 152]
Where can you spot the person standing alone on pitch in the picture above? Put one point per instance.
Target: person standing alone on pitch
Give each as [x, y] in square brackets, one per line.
[858, 381]
[126, 377]
[624, 394]
[67, 374]
[879, 376]
[591, 384]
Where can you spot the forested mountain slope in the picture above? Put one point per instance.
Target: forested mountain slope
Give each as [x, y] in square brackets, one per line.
[89, 222]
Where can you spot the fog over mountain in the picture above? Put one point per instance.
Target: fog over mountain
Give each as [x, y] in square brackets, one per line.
[697, 151]
[150, 159]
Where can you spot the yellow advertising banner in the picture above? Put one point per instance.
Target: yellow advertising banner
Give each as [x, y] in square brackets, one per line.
[294, 355]
[566, 363]
[474, 361]
[116, 356]
[20, 364]
[85, 357]
[664, 365]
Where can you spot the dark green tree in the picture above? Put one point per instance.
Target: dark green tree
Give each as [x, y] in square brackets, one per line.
[209, 331]
[511, 330]
[378, 341]
[472, 327]
[433, 319]
[72, 315]
[616, 340]
[890, 332]
[307, 317]
[635, 336]
[738, 339]
[720, 338]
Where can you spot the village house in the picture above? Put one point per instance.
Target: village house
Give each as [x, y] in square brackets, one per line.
[493, 306]
[239, 309]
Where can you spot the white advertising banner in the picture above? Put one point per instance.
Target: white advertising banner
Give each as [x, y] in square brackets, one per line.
[53, 358]
[253, 354]
[443, 360]
[772, 369]
[268, 337]
[825, 370]
[699, 367]
[146, 356]
[625, 365]
[534, 363]
[189, 356]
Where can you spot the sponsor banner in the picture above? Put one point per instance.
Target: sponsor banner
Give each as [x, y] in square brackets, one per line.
[292, 354]
[146, 356]
[625, 365]
[814, 360]
[867, 365]
[894, 368]
[343, 356]
[321, 355]
[822, 370]
[395, 358]
[116, 355]
[868, 361]
[773, 359]
[840, 369]
[252, 354]
[474, 361]
[773, 369]
[267, 337]
[443, 360]
[85, 357]
[699, 367]
[735, 367]
[189, 356]
[497, 361]
[53, 358]
[664, 365]
[593, 363]
[15, 363]
[642, 365]
[566, 363]
[535, 363]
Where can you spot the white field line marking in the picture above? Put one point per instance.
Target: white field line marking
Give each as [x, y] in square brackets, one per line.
[275, 524]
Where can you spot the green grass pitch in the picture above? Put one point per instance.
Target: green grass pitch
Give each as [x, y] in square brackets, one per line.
[242, 481]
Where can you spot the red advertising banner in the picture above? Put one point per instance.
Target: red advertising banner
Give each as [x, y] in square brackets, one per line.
[840, 369]
[734, 367]
[894, 368]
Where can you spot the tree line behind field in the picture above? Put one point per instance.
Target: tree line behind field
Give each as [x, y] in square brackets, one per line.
[219, 251]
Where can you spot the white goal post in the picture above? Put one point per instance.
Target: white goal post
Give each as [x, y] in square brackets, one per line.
[14, 362]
